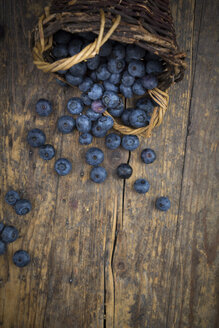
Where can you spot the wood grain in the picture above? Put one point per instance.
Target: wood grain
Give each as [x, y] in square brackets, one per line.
[102, 256]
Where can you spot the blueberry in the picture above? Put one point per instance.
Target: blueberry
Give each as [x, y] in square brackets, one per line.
[73, 80]
[98, 174]
[134, 52]
[125, 116]
[85, 139]
[98, 107]
[103, 72]
[149, 82]
[136, 68]
[116, 65]
[112, 141]
[75, 46]
[93, 76]
[127, 79]
[117, 112]
[110, 99]
[148, 155]
[141, 186]
[62, 37]
[3, 247]
[36, 138]
[138, 88]
[118, 51]
[154, 66]
[150, 56]
[105, 122]
[79, 69]
[22, 207]
[47, 152]
[95, 92]
[63, 166]
[94, 156]
[93, 63]
[75, 105]
[146, 104]
[85, 99]
[126, 91]
[62, 71]
[83, 123]
[162, 204]
[115, 78]
[138, 118]
[1, 226]
[130, 142]
[98, 131]
[110, 86]
[9, 234]
[11, 197]
[60, 51]
[92, 115]
[66, 124]
[21, 258]
[124, 171]
[106, 49]
[63, 84]
[43, 107]
[87, 35]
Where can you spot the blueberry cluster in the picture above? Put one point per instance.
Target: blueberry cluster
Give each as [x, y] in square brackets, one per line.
[8, 234]
[21, 206]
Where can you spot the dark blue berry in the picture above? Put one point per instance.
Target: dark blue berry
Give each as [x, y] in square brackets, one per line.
[36, 138]
[78, 69]
[105, 122]
[85, 99]
[95, 92]
[110, 86]
[148, 155]
[43, 107]
[146, 104]
[136, 68]
[94, 156]
[87, 35]
[103, 73]
[115, 78]
[3, 247]
[127, 79]
[118, 51]
[75, 105]
[98, 107]
[21, 258]
[141, 186]
[138, 118]
[97, 131]
[60, 51]
[134, 52]
[75, 46]
[66, 124]
[116, 65]
[93, 76]
[112, 141]
[110, 99]
[85, 139]
[11, 197]
[73, 80]
[138, 88]
[150, 56]
[98, 174]
[149, 82]
[154, 66]
[62, 71]
[62, 37]
[124, 171]
[1, 226]
[9, 234]
[83, 123]
[106, 49]
[125, 116]
[22, 207]
[61, 83]
[47, 152]
[63, 166]
[92, 115]
[126, 91]
[93, 63]
[130, 142]
[162, 204]
[118, 110]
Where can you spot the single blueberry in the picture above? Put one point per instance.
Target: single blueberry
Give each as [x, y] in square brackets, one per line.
[21, 258]
[47, 152]
[115, 78]
[36, 138]
[3, 247]
[150, 56]
[11, 197]
[106, 49]
[134, 52]
[154, 66]
[75, 46]
[63, 166]
[125, 116]
[66, 124]
[62, 37]
[112, 141]
[93, 115]
[118, 51]
[94, 156]
[138, 118]
[85, 99]
[60, 51]
[138, 88]
[127, 79]
[93, 63]
[98, 107]
[146, 104]
[85, 139]
[124, 171]
[110, 86]
[95, 92]
[43, 107]
[149, 81]
[93, 76]
[116, 65]
[86, 84]
[148, 155]
[105, 122]
[79, 69]
[98, 174]
[118, 110]
[9, 234]
[1, 226]
[98, 131]
[141, 186]
[75, 105]
[73, 80]
[110, 99]
[136, 68]
[83, 123]
[162, 204]
[103, 72]
[22, 207]
[130, 142]
[126, 91]
[87, 35]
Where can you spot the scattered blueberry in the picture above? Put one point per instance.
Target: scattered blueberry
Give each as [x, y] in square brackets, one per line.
[83, 123]
[43, 107]
[110, 99]
[63, 166]
[95, 92]
[97, 131]
[36, 138]
[112, 141]
[47, 152]
[130, 142]
[85, 139]
[75, 105]
[66, 124]
[124, 171]
[21, 258]
[94, 156]
[3, 247]
[98, 107]
[73, 80]
[98, 174]
[163, 204]
[141, 186]
[138, 118]
[149, 81]
[22, 207]
[105, 122]
[11, 197]
[148, 156]
[9, 234]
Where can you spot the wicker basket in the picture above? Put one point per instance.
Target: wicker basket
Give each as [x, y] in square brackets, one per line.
[146, 23]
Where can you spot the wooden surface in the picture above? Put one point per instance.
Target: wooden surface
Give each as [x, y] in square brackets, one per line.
[102, 256]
